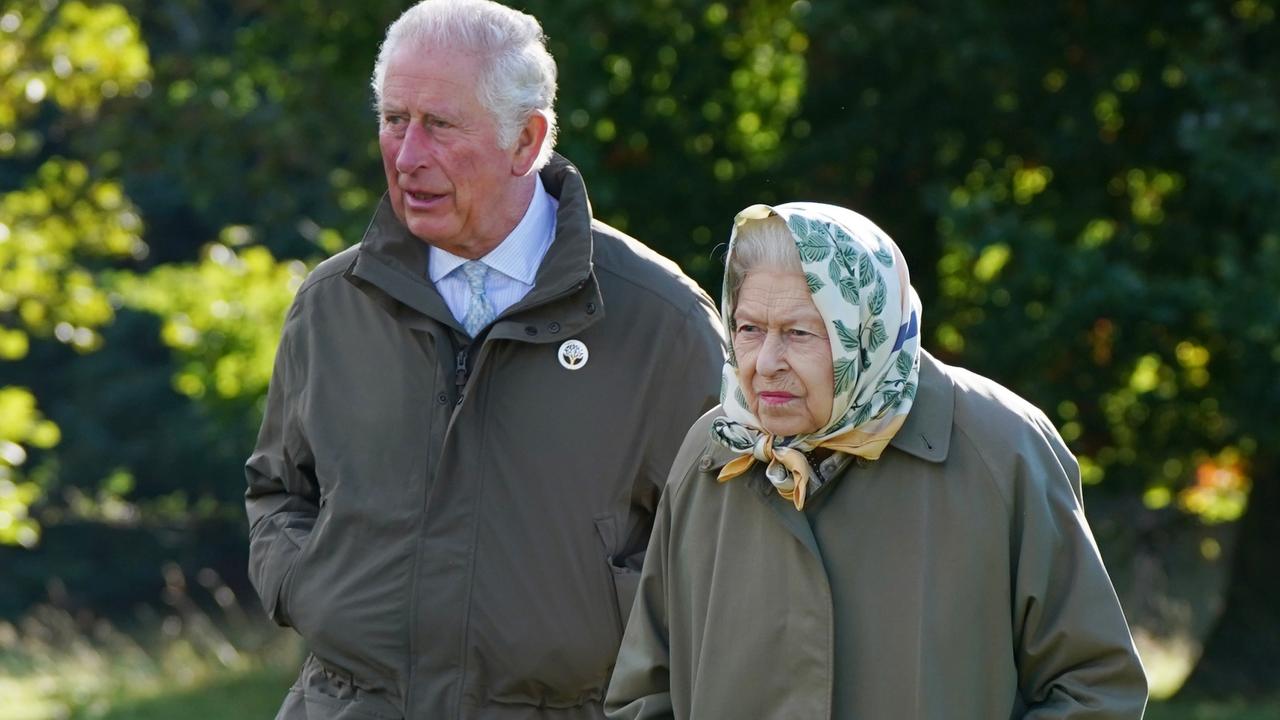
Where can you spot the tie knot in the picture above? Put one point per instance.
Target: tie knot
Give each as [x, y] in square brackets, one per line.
[475, 272]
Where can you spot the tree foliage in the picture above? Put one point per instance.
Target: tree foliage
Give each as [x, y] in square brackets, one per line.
[61, 220]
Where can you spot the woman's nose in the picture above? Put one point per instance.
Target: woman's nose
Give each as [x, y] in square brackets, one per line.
[772, 358]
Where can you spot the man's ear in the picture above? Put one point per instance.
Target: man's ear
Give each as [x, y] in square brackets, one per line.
[528, 143]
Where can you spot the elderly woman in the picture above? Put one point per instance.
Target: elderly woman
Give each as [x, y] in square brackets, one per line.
[861, 531]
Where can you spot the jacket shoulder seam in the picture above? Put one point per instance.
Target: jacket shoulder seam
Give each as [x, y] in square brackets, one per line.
[986, 463]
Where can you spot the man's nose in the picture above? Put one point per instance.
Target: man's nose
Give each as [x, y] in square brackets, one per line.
[414, 149]
[772, 358]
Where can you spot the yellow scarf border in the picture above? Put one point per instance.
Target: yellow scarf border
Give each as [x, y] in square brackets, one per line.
[853, 441]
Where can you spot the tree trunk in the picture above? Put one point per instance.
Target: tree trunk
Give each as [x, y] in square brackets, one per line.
[1242, 654]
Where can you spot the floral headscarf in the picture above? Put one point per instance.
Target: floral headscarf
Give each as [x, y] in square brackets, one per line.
[858, 280]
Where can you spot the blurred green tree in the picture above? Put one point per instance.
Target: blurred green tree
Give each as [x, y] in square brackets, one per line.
[61, 220]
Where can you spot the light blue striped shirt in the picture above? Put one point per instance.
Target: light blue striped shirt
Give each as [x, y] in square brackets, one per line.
[513, 264]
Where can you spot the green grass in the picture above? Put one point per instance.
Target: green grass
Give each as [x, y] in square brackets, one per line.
[237, 697]
[258, 695]
[204, 658]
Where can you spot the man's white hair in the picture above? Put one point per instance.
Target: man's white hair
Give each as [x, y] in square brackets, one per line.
[518, 75]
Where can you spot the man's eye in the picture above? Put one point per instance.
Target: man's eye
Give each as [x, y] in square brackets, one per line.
[392, 120]
[747, 328]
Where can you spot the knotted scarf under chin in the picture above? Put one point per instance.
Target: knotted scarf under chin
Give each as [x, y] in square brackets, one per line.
[787, 468]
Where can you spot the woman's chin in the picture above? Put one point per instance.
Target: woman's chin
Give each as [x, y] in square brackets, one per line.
[785, 425]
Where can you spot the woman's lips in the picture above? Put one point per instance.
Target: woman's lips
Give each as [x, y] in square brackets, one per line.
[776, 398]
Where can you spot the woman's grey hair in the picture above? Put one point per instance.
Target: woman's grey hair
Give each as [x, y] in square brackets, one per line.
[765, 243]
[518, 77]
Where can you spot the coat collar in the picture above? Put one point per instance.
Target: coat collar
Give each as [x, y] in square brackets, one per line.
[926, 434]
[564, 296]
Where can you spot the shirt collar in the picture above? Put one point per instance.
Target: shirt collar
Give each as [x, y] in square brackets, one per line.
[520, 253]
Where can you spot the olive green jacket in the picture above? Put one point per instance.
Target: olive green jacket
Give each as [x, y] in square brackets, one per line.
[953, 579]
[455, 529]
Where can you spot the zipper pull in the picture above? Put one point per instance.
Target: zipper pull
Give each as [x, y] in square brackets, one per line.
[460, 368]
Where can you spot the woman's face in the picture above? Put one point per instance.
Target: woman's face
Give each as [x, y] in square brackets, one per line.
[784, 356]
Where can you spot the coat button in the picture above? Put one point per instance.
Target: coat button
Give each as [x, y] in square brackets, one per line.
[530, 330]
[554, 327]
[591, 308]
[704, 464]
[442, 399]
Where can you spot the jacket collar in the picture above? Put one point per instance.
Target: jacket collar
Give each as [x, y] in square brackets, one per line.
[564, 295]
[926, 434]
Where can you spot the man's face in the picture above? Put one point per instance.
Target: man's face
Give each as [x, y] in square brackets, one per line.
[783, 354]
[449, 182]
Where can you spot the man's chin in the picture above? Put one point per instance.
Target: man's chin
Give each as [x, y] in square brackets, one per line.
[428, 232]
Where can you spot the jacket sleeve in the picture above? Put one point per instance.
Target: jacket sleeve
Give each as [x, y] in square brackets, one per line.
[1075, 656]
[640, 686]
[282, 499]
[688, 386]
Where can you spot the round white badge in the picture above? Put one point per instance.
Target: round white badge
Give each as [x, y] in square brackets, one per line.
[573, 354]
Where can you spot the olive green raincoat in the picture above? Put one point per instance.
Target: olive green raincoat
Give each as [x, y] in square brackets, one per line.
[455, 528]
[953, 579]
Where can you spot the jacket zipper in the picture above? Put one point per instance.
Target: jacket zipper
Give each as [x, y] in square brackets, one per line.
[460, 372]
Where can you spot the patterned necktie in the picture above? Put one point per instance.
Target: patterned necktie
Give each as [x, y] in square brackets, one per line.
[479, 309]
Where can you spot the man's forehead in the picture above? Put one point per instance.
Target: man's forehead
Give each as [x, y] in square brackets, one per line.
[420, 79]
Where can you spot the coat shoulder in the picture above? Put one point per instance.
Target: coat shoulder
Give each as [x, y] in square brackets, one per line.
[1012, 438]
[332, 267]
[650, 275]
[987, 411]
[696, 445]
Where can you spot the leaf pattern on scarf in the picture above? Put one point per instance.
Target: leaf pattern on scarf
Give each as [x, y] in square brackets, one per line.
[884, 256]
[878, 297]
[845, 249]
[814, 282]
[890, 398]
[866, 273]
[862, 415]
[834, 269]
[848, 338]
[812, 241]
[814, 249]
[846, 372]
[848, 289]
[904, 363]
[877, 334]
[799, 226]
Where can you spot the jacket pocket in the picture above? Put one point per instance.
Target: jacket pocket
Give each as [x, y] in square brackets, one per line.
[333, 694]
[280, 609]
[624, 580]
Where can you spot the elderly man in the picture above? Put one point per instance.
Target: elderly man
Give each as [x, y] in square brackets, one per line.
[473, 410]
